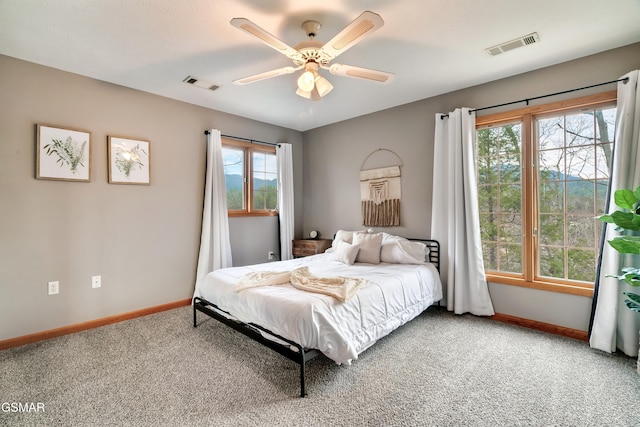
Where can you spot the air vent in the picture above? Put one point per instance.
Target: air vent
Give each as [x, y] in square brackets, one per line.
[205, 84]
[513, 44]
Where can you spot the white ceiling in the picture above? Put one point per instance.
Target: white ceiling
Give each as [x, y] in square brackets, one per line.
[432, 46]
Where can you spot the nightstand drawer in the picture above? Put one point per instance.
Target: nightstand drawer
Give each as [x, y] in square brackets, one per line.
[306, 247]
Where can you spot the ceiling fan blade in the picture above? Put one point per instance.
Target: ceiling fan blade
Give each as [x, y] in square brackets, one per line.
[265, 37]
[266, 75]
[362, 73]
[363, 25]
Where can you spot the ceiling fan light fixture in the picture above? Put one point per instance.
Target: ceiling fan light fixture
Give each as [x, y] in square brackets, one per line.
[311, 84]
[323, 86]
[320, 88]
[312, 95]
[306, 81]
[304, 94]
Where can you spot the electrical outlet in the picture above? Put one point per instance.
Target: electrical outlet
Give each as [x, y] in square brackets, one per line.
[270, 255]
[54, 288]
[96, 281]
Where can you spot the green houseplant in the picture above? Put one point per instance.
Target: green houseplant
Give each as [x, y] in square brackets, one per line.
[627, 219]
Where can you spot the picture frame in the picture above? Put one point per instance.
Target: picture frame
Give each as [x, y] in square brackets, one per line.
[129, 160]
[63, 153]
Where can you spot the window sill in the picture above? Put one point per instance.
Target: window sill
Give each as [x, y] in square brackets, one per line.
[262, 213]
[585, 290]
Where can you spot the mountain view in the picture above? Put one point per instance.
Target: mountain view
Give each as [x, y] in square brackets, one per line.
[264, 195]
[234, 182]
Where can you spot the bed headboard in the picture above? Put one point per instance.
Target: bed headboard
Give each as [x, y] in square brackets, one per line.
[434, 250]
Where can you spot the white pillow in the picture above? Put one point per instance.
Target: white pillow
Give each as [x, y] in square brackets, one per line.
[369, 247]
[344, 236]
[346, 253]
[389, 238]
[404, 252]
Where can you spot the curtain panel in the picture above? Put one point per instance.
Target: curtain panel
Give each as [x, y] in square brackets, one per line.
[286, 216]
[215, 245]
[455, 220]
[614, 326]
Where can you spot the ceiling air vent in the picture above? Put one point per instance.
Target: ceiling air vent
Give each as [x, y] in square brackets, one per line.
[205, 84]
[513, 44]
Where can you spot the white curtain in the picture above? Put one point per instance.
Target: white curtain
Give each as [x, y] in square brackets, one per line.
[285, 199]
[614, 325]
[215, 245]
[455, 222]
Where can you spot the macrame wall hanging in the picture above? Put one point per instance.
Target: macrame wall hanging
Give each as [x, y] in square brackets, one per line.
[380, 193]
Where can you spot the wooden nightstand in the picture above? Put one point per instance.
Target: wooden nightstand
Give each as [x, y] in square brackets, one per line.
[306, 247]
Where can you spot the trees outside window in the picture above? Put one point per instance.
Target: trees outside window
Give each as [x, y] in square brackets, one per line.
[542, 180]
[265, 181]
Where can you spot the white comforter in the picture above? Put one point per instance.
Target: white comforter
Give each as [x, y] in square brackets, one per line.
[396, 293]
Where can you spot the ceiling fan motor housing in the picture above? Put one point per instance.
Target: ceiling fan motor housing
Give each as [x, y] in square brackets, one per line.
[311, 28]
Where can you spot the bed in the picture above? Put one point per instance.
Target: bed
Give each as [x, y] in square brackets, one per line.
[389, 282]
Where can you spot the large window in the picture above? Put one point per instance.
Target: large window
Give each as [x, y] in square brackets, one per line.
[251, 176]
[542, 181]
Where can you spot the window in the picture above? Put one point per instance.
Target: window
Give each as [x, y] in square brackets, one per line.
[542, 181]
[251, 176]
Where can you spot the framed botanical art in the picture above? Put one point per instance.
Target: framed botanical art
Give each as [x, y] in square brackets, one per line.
[129, 161]
[63, 154]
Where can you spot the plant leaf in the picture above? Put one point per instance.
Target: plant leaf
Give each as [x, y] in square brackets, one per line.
[625, 220]
[633, 302]
[606, 218]
[632, 279]
[626, 244]
[633, 297]
[636, 193]
[625, 198]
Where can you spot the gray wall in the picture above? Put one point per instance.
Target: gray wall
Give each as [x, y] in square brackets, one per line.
[142, 240]
[334, 154]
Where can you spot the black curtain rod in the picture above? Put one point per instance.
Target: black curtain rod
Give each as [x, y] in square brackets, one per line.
[253, 141]
[625, 80]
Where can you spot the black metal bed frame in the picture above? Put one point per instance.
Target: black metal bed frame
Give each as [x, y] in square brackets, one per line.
[292, 350]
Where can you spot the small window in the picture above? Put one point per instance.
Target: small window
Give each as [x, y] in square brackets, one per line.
[251, 176]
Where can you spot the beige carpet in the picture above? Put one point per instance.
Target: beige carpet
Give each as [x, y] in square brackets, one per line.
[439, 370]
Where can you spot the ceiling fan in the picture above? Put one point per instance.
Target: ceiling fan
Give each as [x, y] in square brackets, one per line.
[312, 55]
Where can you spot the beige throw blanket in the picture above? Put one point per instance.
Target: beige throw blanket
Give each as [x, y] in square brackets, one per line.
[341, 288]
[263, 278]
